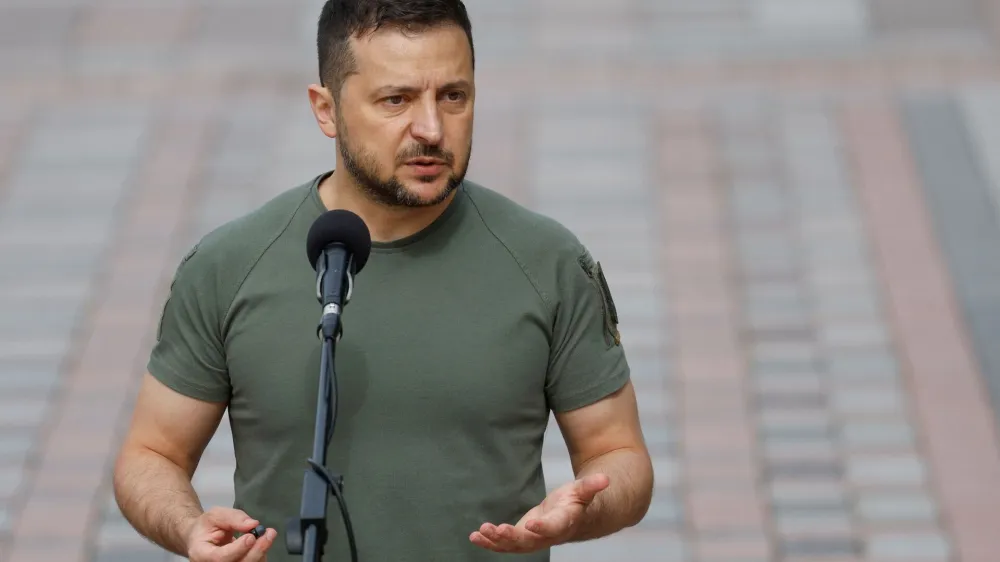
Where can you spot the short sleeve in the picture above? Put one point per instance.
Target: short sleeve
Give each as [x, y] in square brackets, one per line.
[587, 361]
[188, 355]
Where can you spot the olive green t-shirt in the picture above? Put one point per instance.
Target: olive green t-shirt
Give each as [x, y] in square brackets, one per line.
[458, 342]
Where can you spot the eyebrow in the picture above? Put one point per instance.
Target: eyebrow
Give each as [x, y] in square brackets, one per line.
[392, 89]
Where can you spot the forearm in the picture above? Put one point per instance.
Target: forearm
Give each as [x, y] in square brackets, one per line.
[156, 497]
[626, 499]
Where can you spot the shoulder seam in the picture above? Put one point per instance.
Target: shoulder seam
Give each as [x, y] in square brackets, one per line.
[253, 265]
[524, 270]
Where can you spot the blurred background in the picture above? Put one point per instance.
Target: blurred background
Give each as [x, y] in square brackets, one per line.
[795, 202]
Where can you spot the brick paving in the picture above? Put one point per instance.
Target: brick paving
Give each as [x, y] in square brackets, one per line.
[796, 202]
[964, 470]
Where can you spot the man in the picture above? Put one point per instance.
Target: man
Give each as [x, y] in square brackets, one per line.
[473, 319]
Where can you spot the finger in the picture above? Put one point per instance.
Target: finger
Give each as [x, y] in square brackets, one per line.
[215, 537]
[220, 537]
[232, 552]
[519, 536]
[588, 486]
[513, 539]
[556, 523]
[260, 546]
[549, 527]
[478, 539]
[491, 533]
[231, 519]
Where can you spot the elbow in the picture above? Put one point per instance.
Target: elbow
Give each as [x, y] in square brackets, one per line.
[135, 462]
[641, 508]
[121, 475]
[129, 453]
[644, 492]
[122, 460]
[127, 461]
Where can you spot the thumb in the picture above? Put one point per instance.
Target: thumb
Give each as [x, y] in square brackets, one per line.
[588, 486]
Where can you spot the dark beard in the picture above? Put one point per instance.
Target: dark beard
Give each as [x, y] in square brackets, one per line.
[392, 192]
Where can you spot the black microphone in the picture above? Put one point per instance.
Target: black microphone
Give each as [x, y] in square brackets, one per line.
[338, 246]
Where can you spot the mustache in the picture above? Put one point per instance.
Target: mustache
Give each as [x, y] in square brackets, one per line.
[426, 151]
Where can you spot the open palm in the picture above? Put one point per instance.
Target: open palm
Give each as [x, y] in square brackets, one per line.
[549, 523]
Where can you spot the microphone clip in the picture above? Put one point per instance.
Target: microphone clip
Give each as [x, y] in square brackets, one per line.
[331, 310]
[322, 273]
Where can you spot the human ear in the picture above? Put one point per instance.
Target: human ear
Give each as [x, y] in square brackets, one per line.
[324, 109]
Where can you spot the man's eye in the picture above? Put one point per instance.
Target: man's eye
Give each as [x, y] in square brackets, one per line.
[394, 100]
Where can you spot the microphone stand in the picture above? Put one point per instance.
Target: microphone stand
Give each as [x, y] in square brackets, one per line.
[307, 534]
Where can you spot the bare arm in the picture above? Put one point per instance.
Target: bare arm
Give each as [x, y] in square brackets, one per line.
[152, 475]
[606, 438]
[612, 490]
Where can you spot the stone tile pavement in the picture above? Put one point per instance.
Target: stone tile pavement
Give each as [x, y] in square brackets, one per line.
[797, 204]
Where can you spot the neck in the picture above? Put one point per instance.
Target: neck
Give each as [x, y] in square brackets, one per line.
[385, 223]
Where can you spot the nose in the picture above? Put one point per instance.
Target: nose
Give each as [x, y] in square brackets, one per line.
[426, 126]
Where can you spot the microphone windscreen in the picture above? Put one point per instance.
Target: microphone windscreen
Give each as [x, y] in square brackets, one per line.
[339, 226]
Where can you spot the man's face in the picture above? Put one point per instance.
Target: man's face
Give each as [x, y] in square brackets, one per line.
[404, 122]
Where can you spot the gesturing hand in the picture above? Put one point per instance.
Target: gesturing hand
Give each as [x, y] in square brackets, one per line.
[211, 538]
[550, 523]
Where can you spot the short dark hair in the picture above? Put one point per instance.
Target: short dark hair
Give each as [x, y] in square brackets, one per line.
[342, 19]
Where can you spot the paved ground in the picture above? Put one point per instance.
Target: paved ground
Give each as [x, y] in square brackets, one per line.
[796, 202]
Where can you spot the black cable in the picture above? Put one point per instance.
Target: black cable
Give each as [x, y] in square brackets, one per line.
[335, 485]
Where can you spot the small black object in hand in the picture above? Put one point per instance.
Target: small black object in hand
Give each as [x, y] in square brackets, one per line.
[258, 531]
